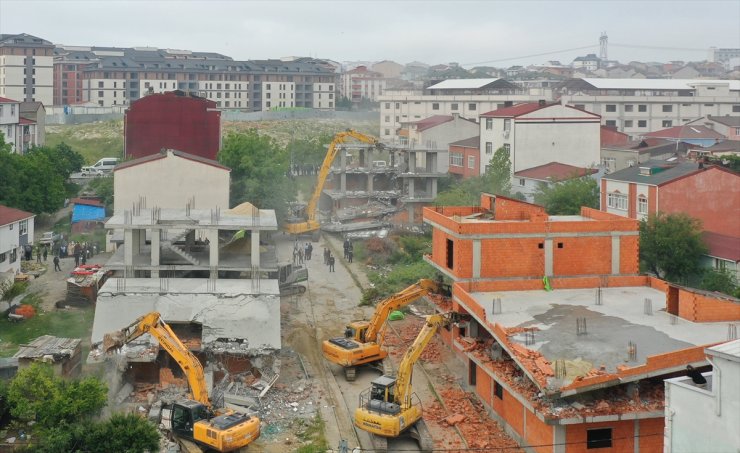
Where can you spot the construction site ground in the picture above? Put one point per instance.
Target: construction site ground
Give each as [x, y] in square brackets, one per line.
[454, 416]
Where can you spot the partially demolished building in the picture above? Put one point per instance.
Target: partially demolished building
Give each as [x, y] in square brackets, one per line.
[567, 345]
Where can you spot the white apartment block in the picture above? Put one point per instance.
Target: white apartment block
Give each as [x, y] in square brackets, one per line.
[323, 96]
[26, 68]
[361, 83]
[538, 133]
[277, 95]
[467, 98]
[16, 230]
[638, 106]
[225, 94]
[21, 133]
[105, 92]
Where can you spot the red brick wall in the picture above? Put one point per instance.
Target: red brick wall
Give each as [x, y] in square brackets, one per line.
[629, 255]
[622, 434]
[510, 209]
[539, 433]
[464, 171]
[483, 385]
[651, 434]
[512, 258]
[700, 308]
[582, 256]
[709, 195]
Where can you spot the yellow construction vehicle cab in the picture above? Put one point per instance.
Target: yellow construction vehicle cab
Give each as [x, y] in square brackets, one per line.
[306, 222]
[362, 342]
[389, 408]
[195, 419]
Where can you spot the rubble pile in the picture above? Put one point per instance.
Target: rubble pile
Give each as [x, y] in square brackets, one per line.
[406, 334]
[469, 417]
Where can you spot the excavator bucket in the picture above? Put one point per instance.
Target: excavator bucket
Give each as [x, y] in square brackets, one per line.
[113, 340]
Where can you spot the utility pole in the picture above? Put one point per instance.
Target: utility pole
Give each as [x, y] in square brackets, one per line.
[603, 44]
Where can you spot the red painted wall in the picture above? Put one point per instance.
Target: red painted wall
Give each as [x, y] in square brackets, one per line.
[172, 121]
[712, 196]
[464, 171]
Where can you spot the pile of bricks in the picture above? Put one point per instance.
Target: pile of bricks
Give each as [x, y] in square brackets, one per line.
[167, 379]
[534, 361]
[467, 414]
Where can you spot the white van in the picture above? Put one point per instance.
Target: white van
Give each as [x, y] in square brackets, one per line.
[104, 165]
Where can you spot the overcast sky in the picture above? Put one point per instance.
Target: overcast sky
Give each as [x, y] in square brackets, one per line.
[492, 32]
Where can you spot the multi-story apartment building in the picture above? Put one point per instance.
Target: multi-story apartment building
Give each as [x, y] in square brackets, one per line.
[20, 132]
[538, 133]
[108, 76]
[16, 231]
[465, 97]
[637, 106]
[361, 83]
[26, 68]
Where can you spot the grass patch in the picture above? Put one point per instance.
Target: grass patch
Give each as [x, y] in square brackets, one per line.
[13, 289]
[93, 140]
[311, 432]
[67, 323]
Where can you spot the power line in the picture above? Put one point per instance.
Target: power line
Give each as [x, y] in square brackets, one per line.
[532, 55]
[640, 46]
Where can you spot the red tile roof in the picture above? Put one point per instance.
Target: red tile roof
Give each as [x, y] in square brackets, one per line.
[432, 121]
[87, 202]
[515, 110]
[612, 137]
[6, 100]
[555, 171]
[26, 121]
[722, 246]
[686, 132]
[10, 215]
[472, 142]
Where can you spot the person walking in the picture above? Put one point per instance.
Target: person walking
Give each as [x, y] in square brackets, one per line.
[56, 263]
[46, 253]
[331, 263]
[38, 254]
[346, 247]
[326, 256]
[350, 254]
[310, 251]
[300, 256]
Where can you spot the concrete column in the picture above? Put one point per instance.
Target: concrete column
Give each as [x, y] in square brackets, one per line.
[142, 239]
[370, 182]
[410, 211]
[548, 257]
[128, 247]
[434, 187]
[343, 170]
[411, 188]
[155, 252]
[558, 439]
[255, 248]
[616, 242]
[213, 259]
[637, 436]
[476, 258]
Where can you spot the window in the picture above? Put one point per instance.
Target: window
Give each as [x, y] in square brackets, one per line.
[708, 105]
[667, 108]
[599, 438]
[13, 255]
[642, 108]
[667, 123]
[435, 105]
[471, 106]
[269, 86]
[628, 107]
[719, 264]
[100, 94]
[387, 105]
[507, 125]
[736, 108]
[498, 390]
[453, 106]
[387, 132]
[628, 123]
[489, 124]
[580, 106]
[489, 147]
[522, 182]
[611, 107]
[100, 84]
[472, 372]
[616, 200]
[507, 149]
[641, 123]
[456, 159]
[387, 118]
[471, 161]
[612, 123]
[398, 106]
[3, 257]
[450, 253]
[642, 205]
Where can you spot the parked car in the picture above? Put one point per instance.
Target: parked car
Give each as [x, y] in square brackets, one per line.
[104, 165]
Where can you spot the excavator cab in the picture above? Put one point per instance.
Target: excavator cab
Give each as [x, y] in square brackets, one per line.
[357, 330]
[184, 416]
[383, 395]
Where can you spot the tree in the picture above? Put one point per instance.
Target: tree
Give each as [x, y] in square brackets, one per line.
[671, 245]
[103, 187]
[4, 147]
[496, 180]
[36, 394]
[498, 173]
[259, 169]
[567, 197]
[123, 432]
[720, 280]
[344, 103]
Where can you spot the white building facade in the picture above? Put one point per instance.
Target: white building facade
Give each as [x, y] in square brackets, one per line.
[539, 133]
[26, 68]
[16, 230]
[706, 419]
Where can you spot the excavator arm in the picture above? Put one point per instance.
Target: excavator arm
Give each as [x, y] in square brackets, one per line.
[152, 324]
[406, 367]
[396, 301]
[339, 138]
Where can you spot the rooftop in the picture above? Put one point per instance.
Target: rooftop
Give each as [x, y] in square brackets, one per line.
[169, 219]
[432, 121]
[516, 110]
[472, 142]
[613, 318]
[727, 120]
[472, 84]
[10, 215]
[729, 350]
[555, 171]
[46, 345]
[661, 172]
[656, 84]
[167, 153]
[722, 246]
[687, 132]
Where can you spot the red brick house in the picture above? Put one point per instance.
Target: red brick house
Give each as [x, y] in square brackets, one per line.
[465, 157]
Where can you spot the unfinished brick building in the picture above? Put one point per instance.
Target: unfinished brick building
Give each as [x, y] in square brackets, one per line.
[566, 344]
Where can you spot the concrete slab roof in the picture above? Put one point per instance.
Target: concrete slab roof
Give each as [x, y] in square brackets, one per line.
[729, 350]
[620, 319]
[201, 219]
[241, 309]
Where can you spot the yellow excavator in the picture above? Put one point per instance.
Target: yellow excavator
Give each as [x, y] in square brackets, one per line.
[194, 419]
[362, 342]
[389, 408]
[306, 222]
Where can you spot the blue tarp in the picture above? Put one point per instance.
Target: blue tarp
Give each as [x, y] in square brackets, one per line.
[85, 212]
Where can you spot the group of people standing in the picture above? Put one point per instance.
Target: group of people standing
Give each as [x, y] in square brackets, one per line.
[302, 253]
[349, 250]
[329, 259]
